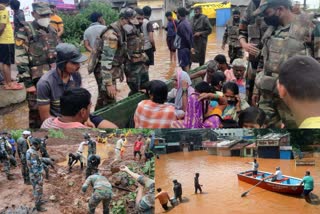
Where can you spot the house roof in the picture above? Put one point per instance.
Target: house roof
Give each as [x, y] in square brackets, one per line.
[252, 145]
[239, 146]
[240, 2]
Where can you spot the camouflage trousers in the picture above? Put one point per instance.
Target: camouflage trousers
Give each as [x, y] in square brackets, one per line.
[6, 166]
[34, 117]
[234, 53]
[103, 98]
[90, 170]
[37, 184]
[137, 76]
[25, 170]
[277, 111]
[13, 161]
[97, 197]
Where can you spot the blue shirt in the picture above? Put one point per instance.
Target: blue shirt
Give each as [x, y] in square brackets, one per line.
[185, 32]
[12, 142]
[172, 28]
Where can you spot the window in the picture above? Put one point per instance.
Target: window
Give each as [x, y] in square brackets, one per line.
[248, 151]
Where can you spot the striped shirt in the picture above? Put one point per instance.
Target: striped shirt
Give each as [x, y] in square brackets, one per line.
[55, 123]
[153, 115]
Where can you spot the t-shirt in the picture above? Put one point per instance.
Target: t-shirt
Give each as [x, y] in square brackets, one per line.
[172, 28]
[255, 166]
[310, 123]
[92, 32]
[56, 22]
[80, 148]
[278, 175]
[119, 144]
[51, 87]
[153, 115]
[137, 145]
[308, 182]
[12, 142]
[55, 123]
[7, 35]
[163, 197]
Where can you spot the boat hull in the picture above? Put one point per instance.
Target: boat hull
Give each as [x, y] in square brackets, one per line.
[292, 189]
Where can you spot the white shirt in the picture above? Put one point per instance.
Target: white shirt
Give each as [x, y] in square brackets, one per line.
[80, 149]
[278, 175]
[119, 144]
[255, 166]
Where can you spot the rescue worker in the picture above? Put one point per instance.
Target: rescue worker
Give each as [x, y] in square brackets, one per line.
[23, 144]
[102, 191]
[73, 159]
[135, 70]
[291, 35]
[46, 163]
[5, 157]
[231, 35]
[35, 54]
[35, 173]
[201, 29]
[92, 165]
[92, 147]
[43, 147]
[107, 58]
[251, 31]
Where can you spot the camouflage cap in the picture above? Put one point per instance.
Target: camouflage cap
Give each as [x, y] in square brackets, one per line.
[264, 4]
[69, 53]
[41, 8]
[129, 13]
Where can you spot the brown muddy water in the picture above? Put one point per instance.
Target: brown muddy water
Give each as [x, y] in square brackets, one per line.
[222, 190]
[162, 70]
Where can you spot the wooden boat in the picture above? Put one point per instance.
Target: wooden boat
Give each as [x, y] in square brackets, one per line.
[288, 185]
[121, 113]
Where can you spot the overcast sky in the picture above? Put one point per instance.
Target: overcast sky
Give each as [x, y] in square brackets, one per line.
[311, 3]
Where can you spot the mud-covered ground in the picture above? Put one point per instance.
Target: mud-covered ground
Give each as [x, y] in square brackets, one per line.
[64, 187]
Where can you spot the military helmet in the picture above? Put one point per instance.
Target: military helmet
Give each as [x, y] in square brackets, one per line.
[130, 14]
[264, 4]
[35, 141]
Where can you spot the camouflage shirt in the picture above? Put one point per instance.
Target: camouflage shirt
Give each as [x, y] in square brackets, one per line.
[248, 19]
[98, 182]
[22, 147]
[35, 49]
[146, 204]
[34, 162]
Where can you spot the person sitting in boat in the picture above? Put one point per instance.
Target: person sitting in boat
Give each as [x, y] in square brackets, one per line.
[180, 93]
[255, 167]
[277, 176]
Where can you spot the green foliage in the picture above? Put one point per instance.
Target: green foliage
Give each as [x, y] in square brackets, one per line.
[149, 167]
[16, 134]
[75, 25]
[56, 134]
[132, 196]
[118, 207]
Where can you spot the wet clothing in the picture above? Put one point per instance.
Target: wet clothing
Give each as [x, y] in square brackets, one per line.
[35, 173]
[177, 189]
[197, 186]
[92, 147]
[92, 165]
[163, 199]
[74, 158]
[308, 182]
[202, 25]
[184, 31]
[171, 34]
[102, 192]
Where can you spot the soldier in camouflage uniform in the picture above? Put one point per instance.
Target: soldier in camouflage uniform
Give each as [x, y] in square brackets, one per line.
[251, 31]
[291, 35]
[231, 35]
[35, 54]
[102, 191]
[35, 173]
[5, 157]
[92, 165]
[23, 144]
[92, 147]
[144, 203]
[108, 57]
[135, 69]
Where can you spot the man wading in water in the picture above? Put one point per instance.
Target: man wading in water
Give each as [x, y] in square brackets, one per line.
[197, 186]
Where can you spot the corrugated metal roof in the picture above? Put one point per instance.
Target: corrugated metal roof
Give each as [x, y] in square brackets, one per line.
[239, 146]
[240, 2]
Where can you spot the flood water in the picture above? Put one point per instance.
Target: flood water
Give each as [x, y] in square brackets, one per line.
[162, 70]
[222, 190]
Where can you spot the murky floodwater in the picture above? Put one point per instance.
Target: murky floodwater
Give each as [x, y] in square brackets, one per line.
[162, 70]
[222, 190]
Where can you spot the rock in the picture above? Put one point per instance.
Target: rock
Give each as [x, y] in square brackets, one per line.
[9, 97]
[53, 198]
[115, 169]
[71, 183]
[77, 203]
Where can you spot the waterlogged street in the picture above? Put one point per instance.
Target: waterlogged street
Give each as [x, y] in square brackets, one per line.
[222, 190]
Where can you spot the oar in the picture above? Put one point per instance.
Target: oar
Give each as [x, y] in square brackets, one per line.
[245, 193]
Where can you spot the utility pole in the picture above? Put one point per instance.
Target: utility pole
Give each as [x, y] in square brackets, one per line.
[304, 4]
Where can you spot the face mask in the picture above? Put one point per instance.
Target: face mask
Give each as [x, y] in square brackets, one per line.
[272, 20]
[232, 102]
[44, 22]
[128, 28]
